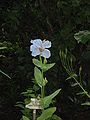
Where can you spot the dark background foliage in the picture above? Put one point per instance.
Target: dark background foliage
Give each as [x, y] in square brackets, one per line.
[57, 21]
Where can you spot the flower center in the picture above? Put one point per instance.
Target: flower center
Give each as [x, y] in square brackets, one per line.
[41, 49]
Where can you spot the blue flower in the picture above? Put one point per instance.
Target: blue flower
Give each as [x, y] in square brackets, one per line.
[39, 47]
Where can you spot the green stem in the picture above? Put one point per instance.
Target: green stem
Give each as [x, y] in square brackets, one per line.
[82, 87]
[79, 84]
[63, 60]
[42, 88]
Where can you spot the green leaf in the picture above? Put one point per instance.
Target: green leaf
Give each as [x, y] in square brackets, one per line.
[47, 113]
[25, 118]
[36, 87]
[82, 36]
[37, 63]
[82, 93]
[47, 66]
[44, 67]
[20, 105]
[46, 101]
[87, 103]
[28, 100]
[5, 74]
[38, 76]
[75, 84]
[1, 48]
[55, 117]
[72, 76]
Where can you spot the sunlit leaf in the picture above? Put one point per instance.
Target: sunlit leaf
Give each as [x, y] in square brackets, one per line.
[87, 103]
[46, 101]
[38, 76]
[82, 93]
[47, 113]
[44, 67]
[1, 48]
[55, 117]
[20, 105]
[47, 66]
[37, 63]
[75, 84]
[82, 36]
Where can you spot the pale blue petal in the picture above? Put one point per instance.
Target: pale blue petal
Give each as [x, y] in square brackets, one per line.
[35, 50]
[46, 44]
[37, 42]
[46, 53]
[32, 47]
[35, 53]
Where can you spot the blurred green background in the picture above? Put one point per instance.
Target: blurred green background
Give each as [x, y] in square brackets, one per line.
[54, 20]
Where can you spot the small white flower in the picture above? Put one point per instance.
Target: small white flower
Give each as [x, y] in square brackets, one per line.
[39, 47]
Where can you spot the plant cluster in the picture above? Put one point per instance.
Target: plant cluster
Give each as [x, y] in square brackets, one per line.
[55, 20]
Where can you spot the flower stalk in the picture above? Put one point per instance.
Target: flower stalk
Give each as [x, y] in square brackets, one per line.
[40, 48]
